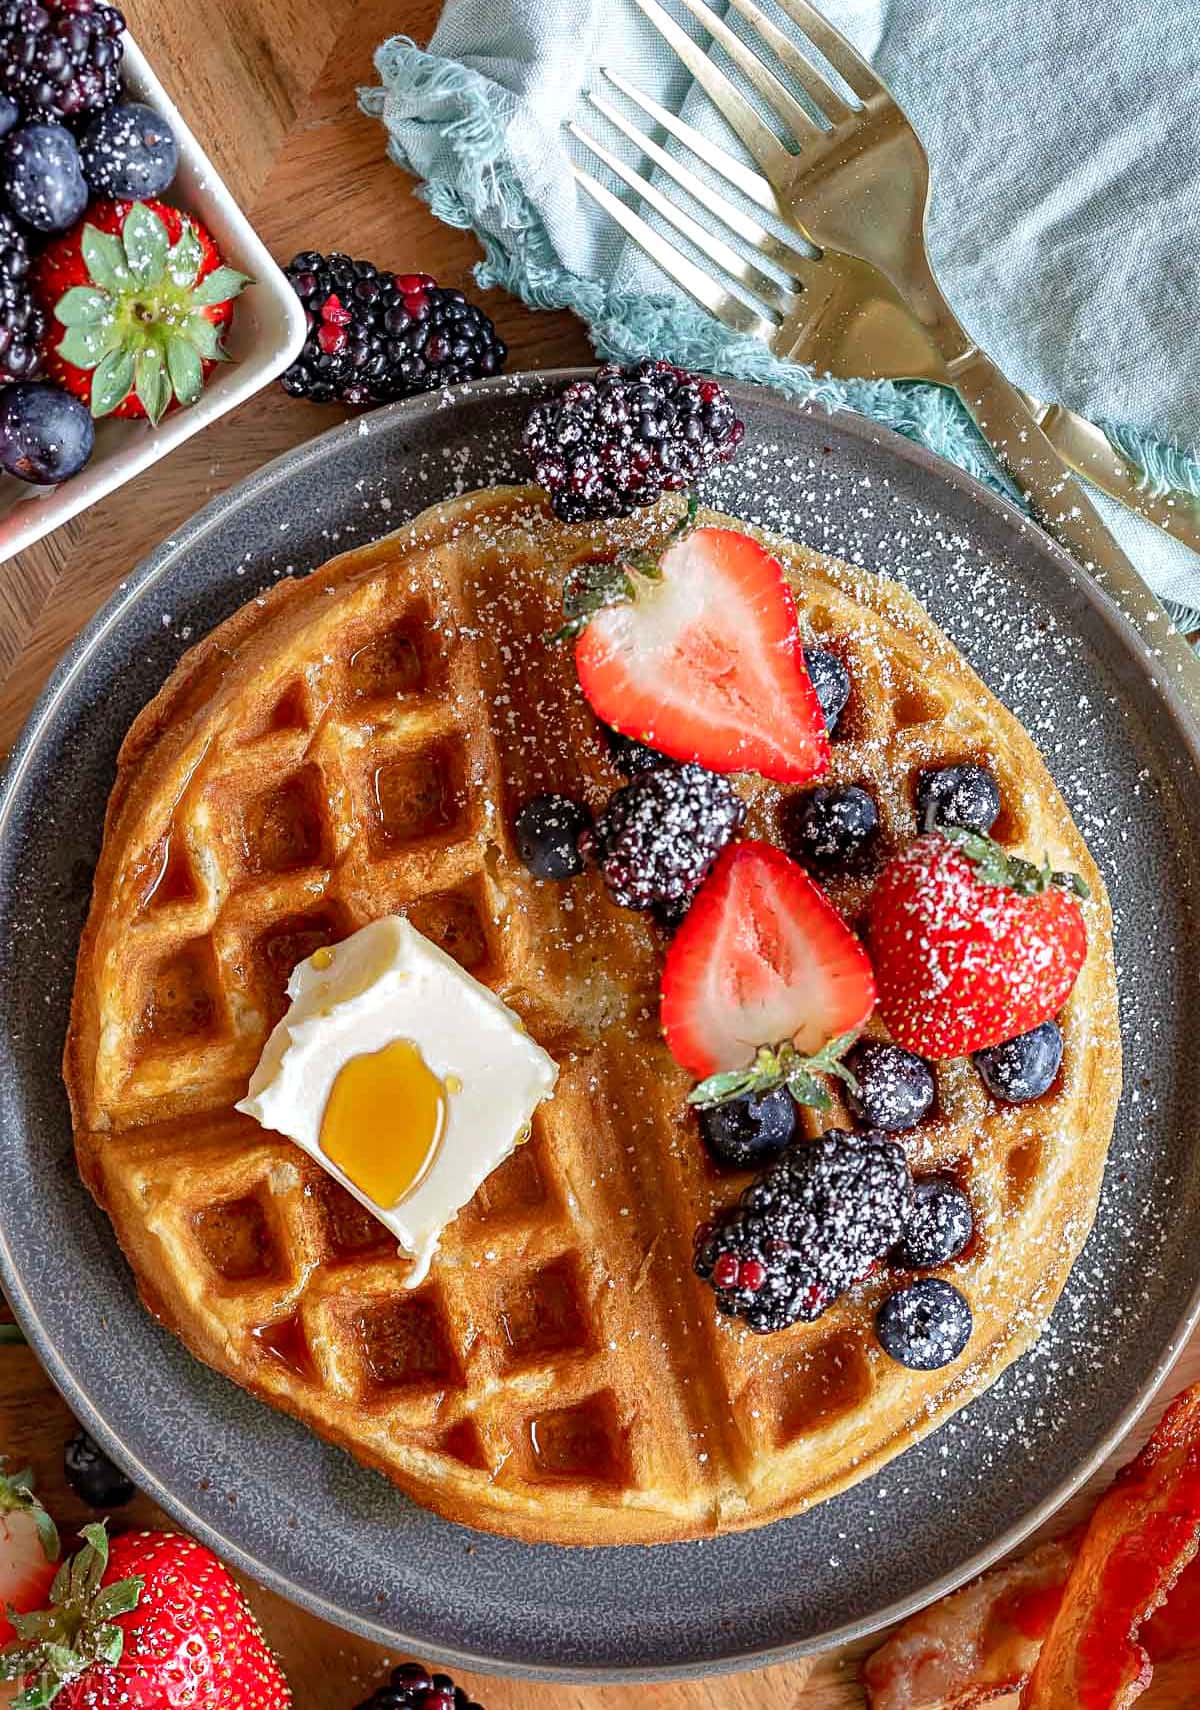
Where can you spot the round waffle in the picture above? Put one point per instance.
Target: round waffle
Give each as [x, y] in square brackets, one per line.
[357, 743]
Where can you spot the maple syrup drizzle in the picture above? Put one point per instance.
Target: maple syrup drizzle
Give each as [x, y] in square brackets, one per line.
[285, 1341]
[384, 1121]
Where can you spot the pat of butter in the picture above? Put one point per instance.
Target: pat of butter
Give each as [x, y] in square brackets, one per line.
[354, 1004]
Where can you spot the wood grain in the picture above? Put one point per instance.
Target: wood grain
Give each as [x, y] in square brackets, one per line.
[269, 87]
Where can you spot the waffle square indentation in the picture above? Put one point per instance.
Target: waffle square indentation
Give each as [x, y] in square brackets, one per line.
[514, 1189]
[403, 660]
[283, 829]
[417, 796]
[834, 1380]
[291, 941]
[235, 1237]
[453, 921]
[404, 1345]
[581, 1442]
[181, 1003]
[544, 1314]
[349, 1231]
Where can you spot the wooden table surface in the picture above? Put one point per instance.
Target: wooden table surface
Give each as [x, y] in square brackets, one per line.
[269, 88]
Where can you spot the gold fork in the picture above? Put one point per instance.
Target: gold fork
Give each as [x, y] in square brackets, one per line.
[859, 186]
[835, 313]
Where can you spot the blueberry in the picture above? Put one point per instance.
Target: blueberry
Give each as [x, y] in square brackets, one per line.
[93, 1477]
[925, 1325]
[1022, 1068]
[10, 114]
[548, 829]
[830, 827]
[129, 151]
[747, 1131]
[46, 435]
[41, 177]
[895, 1088]
[630, 756]
[831, 680]
[967, 796]
[939, 1225]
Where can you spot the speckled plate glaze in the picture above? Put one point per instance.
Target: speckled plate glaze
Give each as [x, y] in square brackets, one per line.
[303, 1517]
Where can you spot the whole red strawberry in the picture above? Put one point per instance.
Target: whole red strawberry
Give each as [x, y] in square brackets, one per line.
[151, 1621]
[141, 298]
[971, 946]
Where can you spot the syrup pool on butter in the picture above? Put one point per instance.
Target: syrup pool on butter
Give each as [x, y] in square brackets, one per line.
[402, 1076]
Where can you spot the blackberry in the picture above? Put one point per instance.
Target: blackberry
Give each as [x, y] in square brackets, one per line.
[967, 796]
[22, 324]
[1022, 1068]
[895, 1087]
[93, 1477]
[925, 1325]
[547, 830]
[807, 1229]
[374, 336]
[630, 756]
[939, 1225]
[659, 835]
[828, 828]
[60, 59]
[747, 1130]
[608, 445]
[413, 1687]
[831, 680]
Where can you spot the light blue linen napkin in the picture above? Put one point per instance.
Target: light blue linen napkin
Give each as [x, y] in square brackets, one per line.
[1064, 225]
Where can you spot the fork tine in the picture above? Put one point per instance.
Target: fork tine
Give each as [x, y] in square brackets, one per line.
[844, 59]
[803, 126]
[815, 84]
[785, 255]
[733, 107]
[727, 308]
[744, 178]
[766, 289]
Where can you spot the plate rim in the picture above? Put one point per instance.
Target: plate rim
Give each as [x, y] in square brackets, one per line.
[132, 589]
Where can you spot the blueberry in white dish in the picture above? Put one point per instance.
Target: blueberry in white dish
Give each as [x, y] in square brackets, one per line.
[46, 435]
[41, 177]
[129, 151]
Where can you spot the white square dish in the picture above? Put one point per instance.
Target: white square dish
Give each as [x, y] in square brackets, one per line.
[266, 335]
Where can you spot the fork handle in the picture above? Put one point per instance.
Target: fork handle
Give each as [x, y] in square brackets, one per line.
[1065, 511]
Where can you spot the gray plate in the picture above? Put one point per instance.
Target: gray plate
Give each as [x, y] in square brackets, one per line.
[300, 1515]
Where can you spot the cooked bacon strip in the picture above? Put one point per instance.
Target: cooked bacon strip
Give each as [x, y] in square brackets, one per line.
[1142, 1535]
[979, 1643]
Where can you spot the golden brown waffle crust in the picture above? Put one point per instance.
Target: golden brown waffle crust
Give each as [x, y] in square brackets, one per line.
[356, 742]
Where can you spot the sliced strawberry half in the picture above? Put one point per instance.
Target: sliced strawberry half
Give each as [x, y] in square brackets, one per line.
[763, 959]
[28, 1550]
[701, 658]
